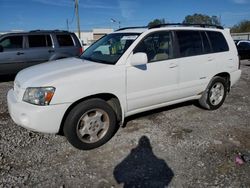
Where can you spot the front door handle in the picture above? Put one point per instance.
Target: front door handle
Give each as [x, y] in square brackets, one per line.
[173, 65]
[19, 53]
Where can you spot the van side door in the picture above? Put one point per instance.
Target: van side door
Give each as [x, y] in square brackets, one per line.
[39, 48]
[13, 55]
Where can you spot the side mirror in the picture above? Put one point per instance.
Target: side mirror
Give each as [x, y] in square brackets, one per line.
[1, 48]
[139, 58]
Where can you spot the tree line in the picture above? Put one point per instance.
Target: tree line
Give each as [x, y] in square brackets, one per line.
[243, 26]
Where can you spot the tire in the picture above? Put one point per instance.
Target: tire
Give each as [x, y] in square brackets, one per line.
[215, 94]
[90, 124]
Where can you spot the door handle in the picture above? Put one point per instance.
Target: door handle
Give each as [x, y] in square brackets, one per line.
[19, 53]
[51, 51]
[210, 59]
[173, 65]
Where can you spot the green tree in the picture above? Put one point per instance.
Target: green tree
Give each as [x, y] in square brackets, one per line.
[201, 19]
[156, 22]
[243, 26]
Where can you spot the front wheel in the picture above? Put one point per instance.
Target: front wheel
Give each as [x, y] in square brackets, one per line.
[90, 124]
[215, 94]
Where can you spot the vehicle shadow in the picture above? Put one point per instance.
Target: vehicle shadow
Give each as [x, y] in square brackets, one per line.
[141, 168]
[7, 78]
[159, 110]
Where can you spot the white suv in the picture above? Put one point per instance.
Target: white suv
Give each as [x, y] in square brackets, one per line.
[127, 72]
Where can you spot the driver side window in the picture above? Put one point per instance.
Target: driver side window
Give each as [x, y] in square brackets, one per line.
[158, 46]
[12, 42]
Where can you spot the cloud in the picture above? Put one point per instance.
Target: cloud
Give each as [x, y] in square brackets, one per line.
[70, 3]
[241, 1]
[127, 8]
[63, 3]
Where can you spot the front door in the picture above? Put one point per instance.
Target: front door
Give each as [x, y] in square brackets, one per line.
[13, 55]
[156, 82]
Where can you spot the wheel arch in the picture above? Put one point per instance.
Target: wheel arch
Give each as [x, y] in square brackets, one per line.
[227, 77]
[111, 99]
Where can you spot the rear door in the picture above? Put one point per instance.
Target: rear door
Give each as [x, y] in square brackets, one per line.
[197, 64]
[39, 48]
[13, 55]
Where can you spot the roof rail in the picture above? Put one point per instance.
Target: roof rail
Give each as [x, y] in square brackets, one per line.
[186, 24]
[139, 27]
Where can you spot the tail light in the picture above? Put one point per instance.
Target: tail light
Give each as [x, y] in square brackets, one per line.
[80, 51]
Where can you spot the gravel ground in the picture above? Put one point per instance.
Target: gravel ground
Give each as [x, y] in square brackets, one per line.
[178, 146]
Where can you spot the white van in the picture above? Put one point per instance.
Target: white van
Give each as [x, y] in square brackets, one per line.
[126, 72]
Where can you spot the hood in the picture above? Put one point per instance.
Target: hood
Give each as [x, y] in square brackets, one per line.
[47, 74]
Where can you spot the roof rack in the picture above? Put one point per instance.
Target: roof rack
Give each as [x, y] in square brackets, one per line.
[186, 24]
[39, 30]
[139, 27]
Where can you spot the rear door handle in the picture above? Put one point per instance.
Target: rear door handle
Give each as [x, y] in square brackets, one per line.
[19, 53]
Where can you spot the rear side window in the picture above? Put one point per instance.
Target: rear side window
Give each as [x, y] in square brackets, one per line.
[65, 40]
[39, 41]
[190, 43]
[12, 42]
[218, 41]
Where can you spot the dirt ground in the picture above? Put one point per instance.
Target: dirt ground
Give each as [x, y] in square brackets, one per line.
[176, 146]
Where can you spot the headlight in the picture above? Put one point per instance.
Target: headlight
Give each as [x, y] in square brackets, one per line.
[39, 95]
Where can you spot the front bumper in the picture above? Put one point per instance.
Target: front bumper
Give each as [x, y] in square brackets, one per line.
[46, 119]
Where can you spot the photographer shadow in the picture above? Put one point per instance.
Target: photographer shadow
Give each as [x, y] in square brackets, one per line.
[141, 168]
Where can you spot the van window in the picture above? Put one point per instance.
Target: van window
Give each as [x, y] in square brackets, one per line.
[158, 46]
[218, 41]
[64, 40]
[190, 43]
[39, 41]
[12, 42]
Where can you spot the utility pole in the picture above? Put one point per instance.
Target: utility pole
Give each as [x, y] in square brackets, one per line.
[78, 18]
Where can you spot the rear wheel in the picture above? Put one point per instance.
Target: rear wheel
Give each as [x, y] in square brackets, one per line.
[215, 94]
[90, 124]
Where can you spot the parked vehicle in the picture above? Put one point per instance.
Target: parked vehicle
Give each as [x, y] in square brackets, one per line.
[21, 50]
[243, 48]
[127, 72]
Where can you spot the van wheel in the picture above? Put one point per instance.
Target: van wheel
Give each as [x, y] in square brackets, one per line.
[215, 94]
[90, 124]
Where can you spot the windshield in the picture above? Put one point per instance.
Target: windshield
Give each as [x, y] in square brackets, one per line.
[110, 48]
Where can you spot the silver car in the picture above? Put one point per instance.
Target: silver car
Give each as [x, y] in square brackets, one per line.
[21, 50]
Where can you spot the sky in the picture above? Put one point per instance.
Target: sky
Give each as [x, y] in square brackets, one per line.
[53, 14]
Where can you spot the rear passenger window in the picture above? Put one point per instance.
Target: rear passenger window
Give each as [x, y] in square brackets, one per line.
[218, 41]
[12, 42]
[64, 40]
[39, 41]
[190, 43]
